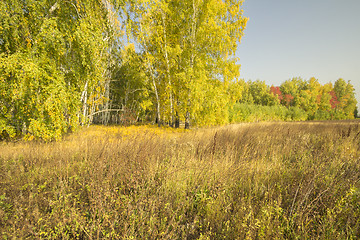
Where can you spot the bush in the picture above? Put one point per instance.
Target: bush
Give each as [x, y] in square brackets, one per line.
[244, 112]
[297, 114]
[322, 115]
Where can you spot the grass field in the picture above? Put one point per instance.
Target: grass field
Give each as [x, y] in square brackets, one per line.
[246, 181]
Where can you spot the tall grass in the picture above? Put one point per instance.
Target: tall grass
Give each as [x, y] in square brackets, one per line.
[246, 181]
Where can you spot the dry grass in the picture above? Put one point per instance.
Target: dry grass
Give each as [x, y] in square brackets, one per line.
[254, 181]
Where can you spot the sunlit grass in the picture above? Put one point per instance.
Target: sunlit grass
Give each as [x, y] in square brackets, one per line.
[255, 181]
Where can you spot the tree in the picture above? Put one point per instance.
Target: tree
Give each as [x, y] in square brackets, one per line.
[129, 89]
[291, 90]
[53, 63]
[346, 99]
[325, 97]
[277, 93]
[309, 96]
[214, 29]
[261, 93]
[188, 50]
[324, 102]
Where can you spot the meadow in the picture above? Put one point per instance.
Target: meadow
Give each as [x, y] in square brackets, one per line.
[278, 180]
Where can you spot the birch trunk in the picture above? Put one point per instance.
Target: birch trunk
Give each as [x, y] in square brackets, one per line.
[168, 75]
[192, 61]
[84, 100]
[158, 115]
[106, 114]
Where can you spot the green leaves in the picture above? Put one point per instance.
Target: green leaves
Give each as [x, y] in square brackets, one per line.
[51, 54]
[62, 64]
[346, 96]
[32, 92]
[193, 44]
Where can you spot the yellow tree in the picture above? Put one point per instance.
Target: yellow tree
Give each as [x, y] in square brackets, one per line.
[53, 60]
[212, 32]
[346, 96]
[189, 49]
[309, 96]
[324, 104]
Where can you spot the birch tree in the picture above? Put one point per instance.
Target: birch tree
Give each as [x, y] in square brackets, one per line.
[53, 63]
[193, 43]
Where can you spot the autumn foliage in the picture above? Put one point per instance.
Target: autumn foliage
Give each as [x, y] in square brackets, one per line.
[319, 102]
[65, 64]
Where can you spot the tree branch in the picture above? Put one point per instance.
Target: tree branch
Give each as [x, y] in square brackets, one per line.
[106, 110]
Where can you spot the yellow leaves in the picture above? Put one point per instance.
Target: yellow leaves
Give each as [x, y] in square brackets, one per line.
[78, 7]
[122, 133]
[29, 137]
[37, 128]
[130, 47]
[28, 42]
[41, 77]
[146, 104]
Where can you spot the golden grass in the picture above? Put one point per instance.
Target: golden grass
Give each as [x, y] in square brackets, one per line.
[254, 181]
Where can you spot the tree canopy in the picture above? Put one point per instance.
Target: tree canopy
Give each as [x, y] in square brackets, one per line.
[54, 56]
[70, 63]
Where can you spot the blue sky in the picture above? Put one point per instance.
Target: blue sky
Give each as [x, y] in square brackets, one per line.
[307, 38]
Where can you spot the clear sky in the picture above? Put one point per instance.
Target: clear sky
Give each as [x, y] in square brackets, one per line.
[307, 38]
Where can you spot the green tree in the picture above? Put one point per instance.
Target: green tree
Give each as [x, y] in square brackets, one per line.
[188, 53]
[309, 96]
[291, 91]
[53, 64]
[130, 98]
[324, 103]
[261, 94]
[244, 95]
[346, 97]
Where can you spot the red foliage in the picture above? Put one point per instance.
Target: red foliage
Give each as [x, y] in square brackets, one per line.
[334, 100]
[276, 91]
[318, 99]
[288, 98]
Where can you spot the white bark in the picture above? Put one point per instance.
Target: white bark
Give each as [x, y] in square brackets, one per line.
[54, 7]
[192, 59]
[84, 99]
[168, 67]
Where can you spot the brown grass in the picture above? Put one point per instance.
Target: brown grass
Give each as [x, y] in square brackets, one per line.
[254, 181]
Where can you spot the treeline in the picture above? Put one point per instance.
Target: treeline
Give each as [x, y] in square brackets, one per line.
[294, 100]
[70, 63]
